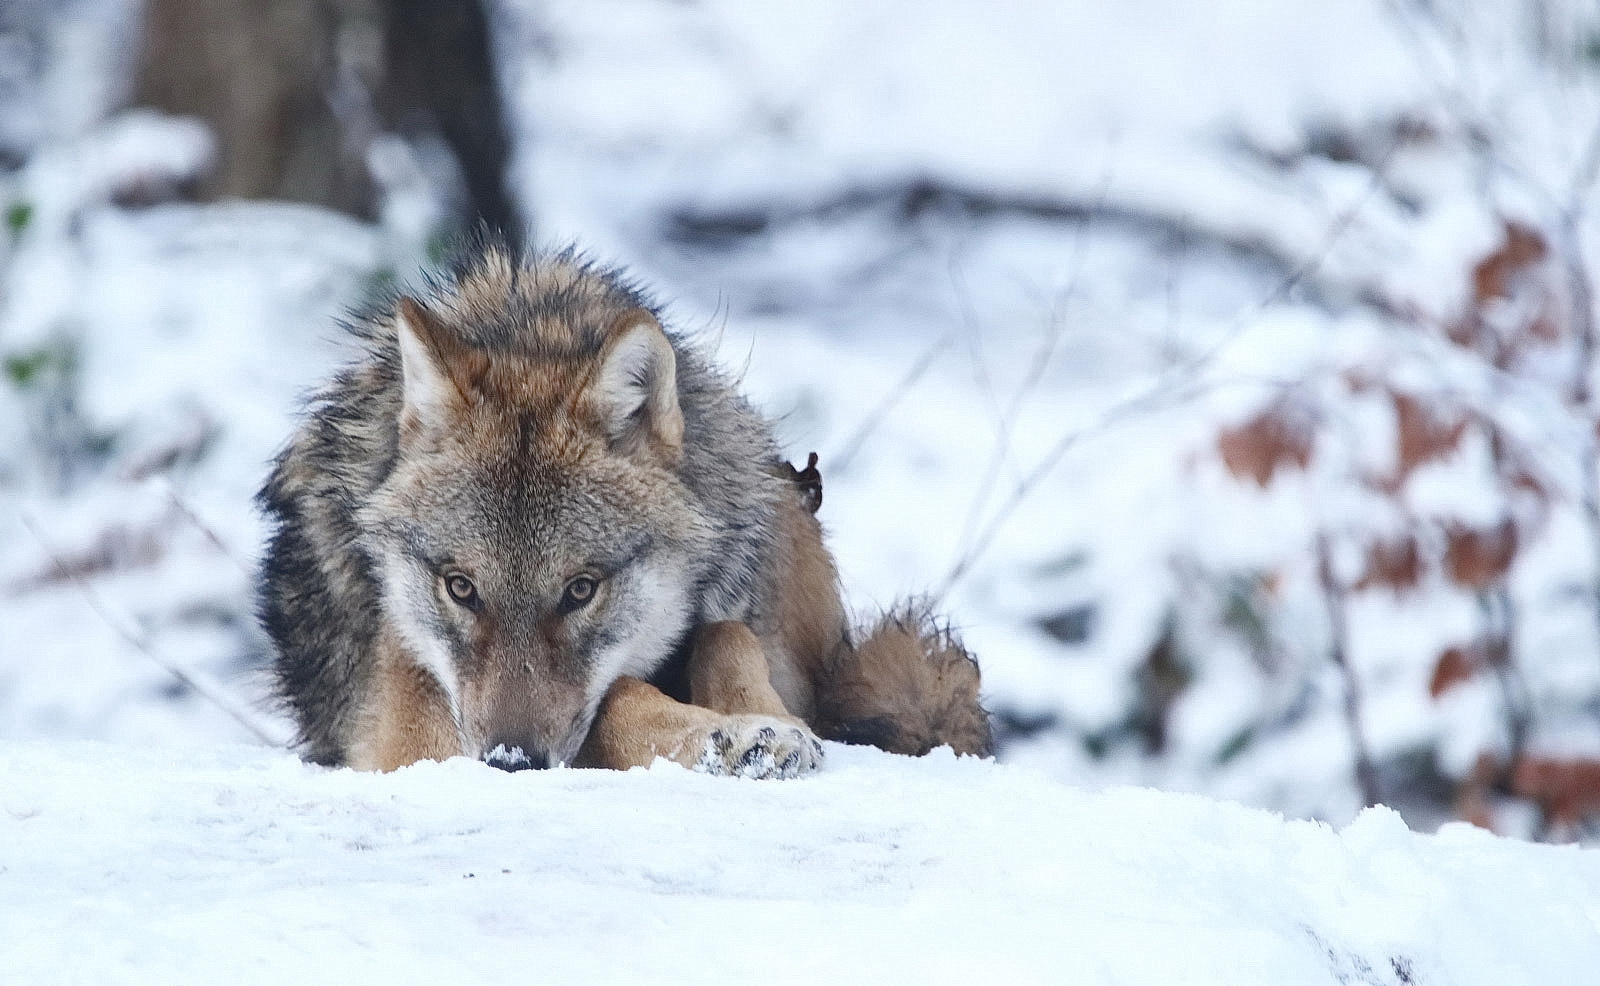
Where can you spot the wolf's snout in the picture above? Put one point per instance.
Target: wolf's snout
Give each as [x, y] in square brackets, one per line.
[516, 758]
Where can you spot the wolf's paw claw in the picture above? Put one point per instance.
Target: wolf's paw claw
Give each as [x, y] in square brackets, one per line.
[759, 746]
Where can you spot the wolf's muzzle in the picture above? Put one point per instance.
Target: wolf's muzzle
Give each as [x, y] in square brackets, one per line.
[516, 758]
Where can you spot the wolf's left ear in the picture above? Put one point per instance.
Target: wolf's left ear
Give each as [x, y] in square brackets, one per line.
[637, 389]
[437, 371]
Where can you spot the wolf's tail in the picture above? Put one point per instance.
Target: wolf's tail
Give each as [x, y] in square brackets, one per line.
[907, 686]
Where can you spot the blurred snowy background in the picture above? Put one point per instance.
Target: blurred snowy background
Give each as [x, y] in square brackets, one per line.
[1227, 369]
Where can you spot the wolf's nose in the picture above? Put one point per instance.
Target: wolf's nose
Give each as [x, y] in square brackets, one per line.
[515, 758]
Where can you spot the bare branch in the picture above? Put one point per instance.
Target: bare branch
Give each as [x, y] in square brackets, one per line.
[183, 508]
[1036, 370]
[1333, 595]
[1169, 388]
[852, 446]
[201, 684]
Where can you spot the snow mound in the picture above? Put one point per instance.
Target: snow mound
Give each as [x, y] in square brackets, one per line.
[243, 865]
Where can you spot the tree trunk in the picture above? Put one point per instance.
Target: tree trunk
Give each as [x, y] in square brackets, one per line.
[441, 80]
[296, 90]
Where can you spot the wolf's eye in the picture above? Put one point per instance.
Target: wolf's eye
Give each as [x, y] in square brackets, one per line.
[579, 591]
[461, 589]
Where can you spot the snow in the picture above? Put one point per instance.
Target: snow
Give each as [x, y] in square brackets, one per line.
[1016, 407]
[237, 864]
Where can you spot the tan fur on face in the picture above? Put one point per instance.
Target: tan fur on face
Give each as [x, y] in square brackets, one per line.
[576, 396]
[406, 717]
[594, 419]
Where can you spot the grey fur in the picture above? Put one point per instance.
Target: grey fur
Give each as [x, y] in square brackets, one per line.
[566, 458]
[321, 594]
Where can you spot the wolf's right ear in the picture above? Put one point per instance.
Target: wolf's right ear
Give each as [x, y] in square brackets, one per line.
[436, 370]
[637, 389]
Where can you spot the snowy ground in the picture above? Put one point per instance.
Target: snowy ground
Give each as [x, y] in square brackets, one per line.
[238, 865]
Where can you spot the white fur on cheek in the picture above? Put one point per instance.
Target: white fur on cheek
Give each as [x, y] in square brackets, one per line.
[404, 601]
[660, 604]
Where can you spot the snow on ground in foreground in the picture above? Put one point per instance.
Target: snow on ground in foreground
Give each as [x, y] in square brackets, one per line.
[243, 865]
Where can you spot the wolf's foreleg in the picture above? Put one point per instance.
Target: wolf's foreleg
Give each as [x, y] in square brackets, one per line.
[736, 726]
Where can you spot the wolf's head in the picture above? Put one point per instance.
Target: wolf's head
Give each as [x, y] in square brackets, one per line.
[533, 541]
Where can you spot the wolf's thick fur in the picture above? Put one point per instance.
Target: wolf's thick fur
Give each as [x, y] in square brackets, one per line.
[530, 521]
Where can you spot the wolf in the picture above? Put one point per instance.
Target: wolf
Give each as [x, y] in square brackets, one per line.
[531, 525]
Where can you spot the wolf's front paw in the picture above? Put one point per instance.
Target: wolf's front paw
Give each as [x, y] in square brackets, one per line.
[759, 746]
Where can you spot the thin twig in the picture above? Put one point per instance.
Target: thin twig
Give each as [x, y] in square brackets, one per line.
[852, 446]
[1166, 389]
[1041, 361]
[1333, 595]
[182, 506]
[199, 683]
[980, 363]
[1502, 617]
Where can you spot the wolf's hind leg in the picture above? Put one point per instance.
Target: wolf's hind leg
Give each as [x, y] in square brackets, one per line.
[728, 672]
[908, 687]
